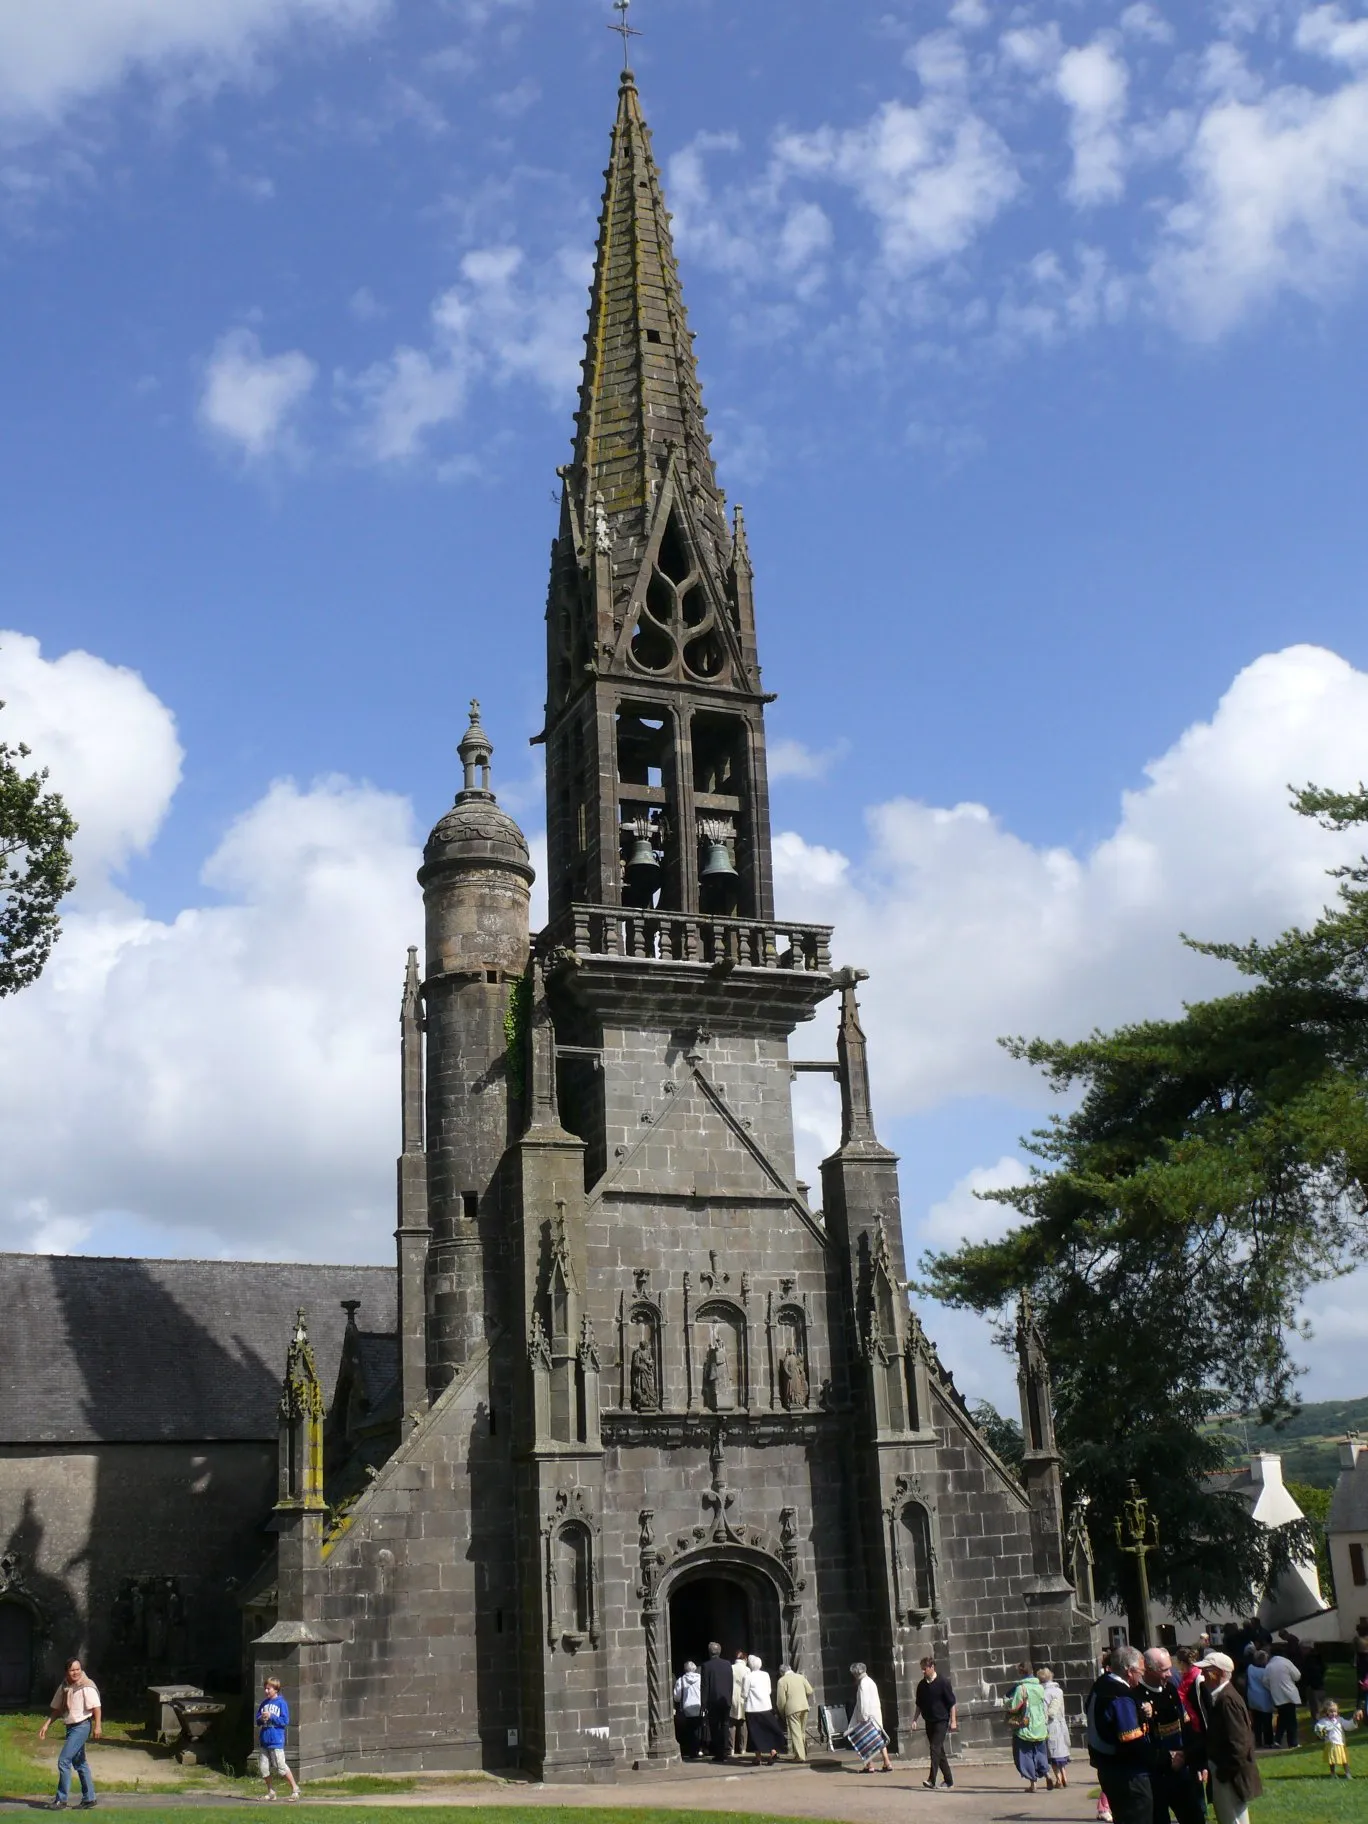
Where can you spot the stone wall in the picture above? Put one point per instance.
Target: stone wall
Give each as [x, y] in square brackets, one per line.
[98, 1531]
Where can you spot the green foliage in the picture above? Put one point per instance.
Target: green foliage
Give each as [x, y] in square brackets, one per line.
[35, 868]
[1306, 1439]
[1001, 1434]
[1213, 1169]
[517, 1024]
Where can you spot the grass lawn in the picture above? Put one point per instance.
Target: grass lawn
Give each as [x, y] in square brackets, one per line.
[1297, 1785]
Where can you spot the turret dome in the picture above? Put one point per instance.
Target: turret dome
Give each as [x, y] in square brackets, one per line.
[475, 832]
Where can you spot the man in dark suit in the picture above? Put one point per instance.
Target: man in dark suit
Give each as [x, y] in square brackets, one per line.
[717, 1701]
[1229, 1739]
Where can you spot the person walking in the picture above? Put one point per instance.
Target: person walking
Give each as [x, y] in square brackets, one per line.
[1173, 1773]
[762, 1725]
[1230, 1741]
[792, 1701]
[865, 1731]
[738, 1704]
[688, 1703]
[272, 1720]
[1259, 1699]
[934, 1702]
[1026, 1718]
[77, 1702]
[716, 1681]
[1118, 1738]
[1058, 1747]
[1284, 1676]
[1361, 1651]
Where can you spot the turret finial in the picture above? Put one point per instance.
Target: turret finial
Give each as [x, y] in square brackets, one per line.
[476, 751]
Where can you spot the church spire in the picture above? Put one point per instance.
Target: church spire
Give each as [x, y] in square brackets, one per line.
[640, 399]
[656, 762]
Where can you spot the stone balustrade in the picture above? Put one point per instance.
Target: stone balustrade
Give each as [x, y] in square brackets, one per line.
[684, 937]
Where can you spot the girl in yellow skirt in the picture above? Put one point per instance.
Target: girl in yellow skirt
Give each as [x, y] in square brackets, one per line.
[1330, 1729]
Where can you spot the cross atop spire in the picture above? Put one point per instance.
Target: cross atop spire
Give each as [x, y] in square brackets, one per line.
[625, 31]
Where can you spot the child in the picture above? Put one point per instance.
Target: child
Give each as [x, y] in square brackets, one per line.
[1057, 1745]
[272, 1720]
[1330, 1729]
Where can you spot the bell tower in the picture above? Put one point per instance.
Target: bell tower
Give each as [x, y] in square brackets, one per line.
[655, 727]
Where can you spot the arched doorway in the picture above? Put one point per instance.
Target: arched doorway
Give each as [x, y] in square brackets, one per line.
[732, 1604]
[16, 1655]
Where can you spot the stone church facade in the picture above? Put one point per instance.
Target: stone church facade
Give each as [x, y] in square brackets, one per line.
[641, 1391]
[651, 1395]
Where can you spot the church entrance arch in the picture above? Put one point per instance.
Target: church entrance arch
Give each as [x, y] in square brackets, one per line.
[16, 1654]
[732, 1604]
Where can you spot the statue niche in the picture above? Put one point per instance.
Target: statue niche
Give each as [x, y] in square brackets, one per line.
[724, 1357]
[643, 1368]
[794, 1382]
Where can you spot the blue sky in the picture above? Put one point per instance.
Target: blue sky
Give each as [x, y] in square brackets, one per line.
[1033, 341]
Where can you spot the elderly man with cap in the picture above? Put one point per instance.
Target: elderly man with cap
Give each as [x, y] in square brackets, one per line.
[1230, 1741]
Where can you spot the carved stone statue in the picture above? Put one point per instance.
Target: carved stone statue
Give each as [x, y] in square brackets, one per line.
[645, 1387]
[719, 1392]
[793, 1380]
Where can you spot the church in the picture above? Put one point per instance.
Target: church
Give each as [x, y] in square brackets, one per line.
[629, 1388]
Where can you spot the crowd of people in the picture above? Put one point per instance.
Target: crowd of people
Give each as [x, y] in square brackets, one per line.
[1168, 1733]
[729, 1707]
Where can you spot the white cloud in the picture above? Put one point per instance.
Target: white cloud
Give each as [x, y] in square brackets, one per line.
[1277, 202]
[55, 54]
[222, 1080]
[503, 322]
[1146, 22]
[108, 743]
[250, 399]
[964, 1215]
[932, 176]
[971, 932]
[790, 759]
[1092, 82]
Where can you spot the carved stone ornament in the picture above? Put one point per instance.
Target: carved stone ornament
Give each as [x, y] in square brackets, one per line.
[539, 1344]
[588, 1348]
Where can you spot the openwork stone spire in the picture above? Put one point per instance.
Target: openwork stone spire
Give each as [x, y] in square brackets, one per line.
[657, 787]
[640, 398]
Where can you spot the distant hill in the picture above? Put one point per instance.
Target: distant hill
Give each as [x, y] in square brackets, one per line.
[1307, 1443]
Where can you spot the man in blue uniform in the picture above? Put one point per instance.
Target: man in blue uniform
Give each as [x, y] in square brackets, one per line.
[1118, 1738]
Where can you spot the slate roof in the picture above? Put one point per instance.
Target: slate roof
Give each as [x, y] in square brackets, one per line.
[1349, 1503]
[132, 1351]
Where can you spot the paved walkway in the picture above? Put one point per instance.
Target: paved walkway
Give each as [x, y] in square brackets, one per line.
[983, 1794]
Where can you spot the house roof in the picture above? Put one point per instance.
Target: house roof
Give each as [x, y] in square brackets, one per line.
[130, 1351]
[1349, 1503]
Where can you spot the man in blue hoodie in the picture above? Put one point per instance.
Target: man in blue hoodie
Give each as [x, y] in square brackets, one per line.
[272, 1720]
[1118, 1738]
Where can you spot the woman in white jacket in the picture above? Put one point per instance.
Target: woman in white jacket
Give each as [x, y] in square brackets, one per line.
[865, 1731]
[765, 1731]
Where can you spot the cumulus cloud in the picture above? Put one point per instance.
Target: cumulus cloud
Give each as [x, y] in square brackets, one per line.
[1277, 199]
[108, 743]
[790, 759]
[251, 400]
[932, 176]
[1092, 82]
[504, 321]
[223, 1080]
[53, 57]
[971, 932]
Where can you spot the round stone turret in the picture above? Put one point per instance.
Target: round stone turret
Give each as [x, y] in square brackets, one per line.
[476, 880]
[476, 876]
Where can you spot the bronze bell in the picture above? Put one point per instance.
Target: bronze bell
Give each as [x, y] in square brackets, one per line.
[718, 866]
[642, 869]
